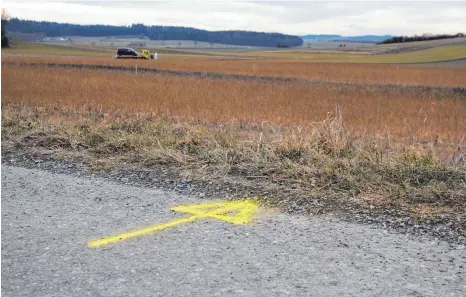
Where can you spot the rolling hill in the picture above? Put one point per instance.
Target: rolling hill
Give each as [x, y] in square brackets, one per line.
[244, 38]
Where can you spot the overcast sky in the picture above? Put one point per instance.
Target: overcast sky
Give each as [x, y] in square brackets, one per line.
[292, 17]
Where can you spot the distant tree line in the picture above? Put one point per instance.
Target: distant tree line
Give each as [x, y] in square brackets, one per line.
[247, 38]
[397, 39]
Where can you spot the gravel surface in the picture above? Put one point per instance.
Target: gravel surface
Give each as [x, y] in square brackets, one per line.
[170, 180]
[47, 218]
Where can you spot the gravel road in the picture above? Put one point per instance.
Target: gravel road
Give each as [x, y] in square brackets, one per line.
[48, 218]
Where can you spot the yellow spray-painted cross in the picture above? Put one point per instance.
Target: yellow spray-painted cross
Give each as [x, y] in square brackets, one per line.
[235, 212]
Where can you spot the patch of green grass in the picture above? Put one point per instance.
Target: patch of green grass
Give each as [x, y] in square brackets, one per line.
[45, 49]
[437, 54]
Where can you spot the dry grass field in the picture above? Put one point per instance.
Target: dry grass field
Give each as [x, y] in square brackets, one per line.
[403, 114]
[384, 146]
[351, 73]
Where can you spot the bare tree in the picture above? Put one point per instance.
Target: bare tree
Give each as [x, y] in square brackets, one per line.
[5, 20]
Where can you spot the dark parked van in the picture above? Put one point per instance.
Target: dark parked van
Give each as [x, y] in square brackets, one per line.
[124, 51]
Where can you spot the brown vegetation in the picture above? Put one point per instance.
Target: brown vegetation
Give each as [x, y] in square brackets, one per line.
[353, 73]
[395, 112]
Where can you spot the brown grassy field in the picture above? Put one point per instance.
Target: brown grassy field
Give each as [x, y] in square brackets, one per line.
[353, 73]
[402, 114]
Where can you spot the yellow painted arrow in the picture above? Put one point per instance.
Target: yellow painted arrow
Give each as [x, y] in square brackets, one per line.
[234, 212]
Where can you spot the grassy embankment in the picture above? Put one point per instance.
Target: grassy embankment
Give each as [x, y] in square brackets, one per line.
[442, 53]
[55, 50]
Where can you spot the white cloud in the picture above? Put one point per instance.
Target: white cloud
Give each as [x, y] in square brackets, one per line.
[293, 17]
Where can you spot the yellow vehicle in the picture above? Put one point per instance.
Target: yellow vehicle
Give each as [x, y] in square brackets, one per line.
[129, 53]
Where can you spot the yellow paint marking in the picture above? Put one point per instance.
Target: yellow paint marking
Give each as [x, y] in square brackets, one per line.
[234, 212]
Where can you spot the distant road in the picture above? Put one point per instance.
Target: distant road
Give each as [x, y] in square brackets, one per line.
[452, 63]
[48, 218]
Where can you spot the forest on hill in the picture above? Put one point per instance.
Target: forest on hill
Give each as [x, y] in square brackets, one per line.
[237, 37]
[426, 37]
